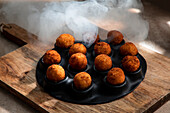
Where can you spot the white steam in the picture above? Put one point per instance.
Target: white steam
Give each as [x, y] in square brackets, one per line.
[50, 19]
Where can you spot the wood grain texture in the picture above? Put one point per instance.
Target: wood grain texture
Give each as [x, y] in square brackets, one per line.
[17, 74]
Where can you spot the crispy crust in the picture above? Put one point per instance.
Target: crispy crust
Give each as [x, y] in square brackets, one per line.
[78, 61]
[102, 48]
[116, 36]
[55, 73]
[82, 81]
[130, 63]
[65, 41]
[128, 49]
[103, 62]
[115, 76]
[51, 57]
[77, 48]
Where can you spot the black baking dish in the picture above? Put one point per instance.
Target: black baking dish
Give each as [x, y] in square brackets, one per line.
[100, 92]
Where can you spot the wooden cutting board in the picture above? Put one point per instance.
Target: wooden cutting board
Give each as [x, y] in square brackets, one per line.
[17, 74]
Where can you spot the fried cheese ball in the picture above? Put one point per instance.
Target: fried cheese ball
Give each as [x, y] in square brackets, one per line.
[65, 41]
[77, 48]
[130, 63]
[82, 81]
[55, 73]
[102, 48]
[102, 62]
[115, 76]
[78, 61]
[115, 37]
[128, 49]
[51, 57]
[97, 39]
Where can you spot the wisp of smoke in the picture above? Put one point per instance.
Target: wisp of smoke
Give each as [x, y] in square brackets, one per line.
[50, 19]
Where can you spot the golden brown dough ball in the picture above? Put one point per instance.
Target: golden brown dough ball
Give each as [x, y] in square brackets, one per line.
[65, 41]
[51, 57]
[103, 62]
[97, 39]
[116, 37]
[130, 63]
[82, 81]
[102, 48]
[115, 76]
[55, 73]
[78, 61]
[128, 49]
[77, 48]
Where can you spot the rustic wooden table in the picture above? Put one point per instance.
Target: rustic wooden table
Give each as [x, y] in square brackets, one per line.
[17, 70]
